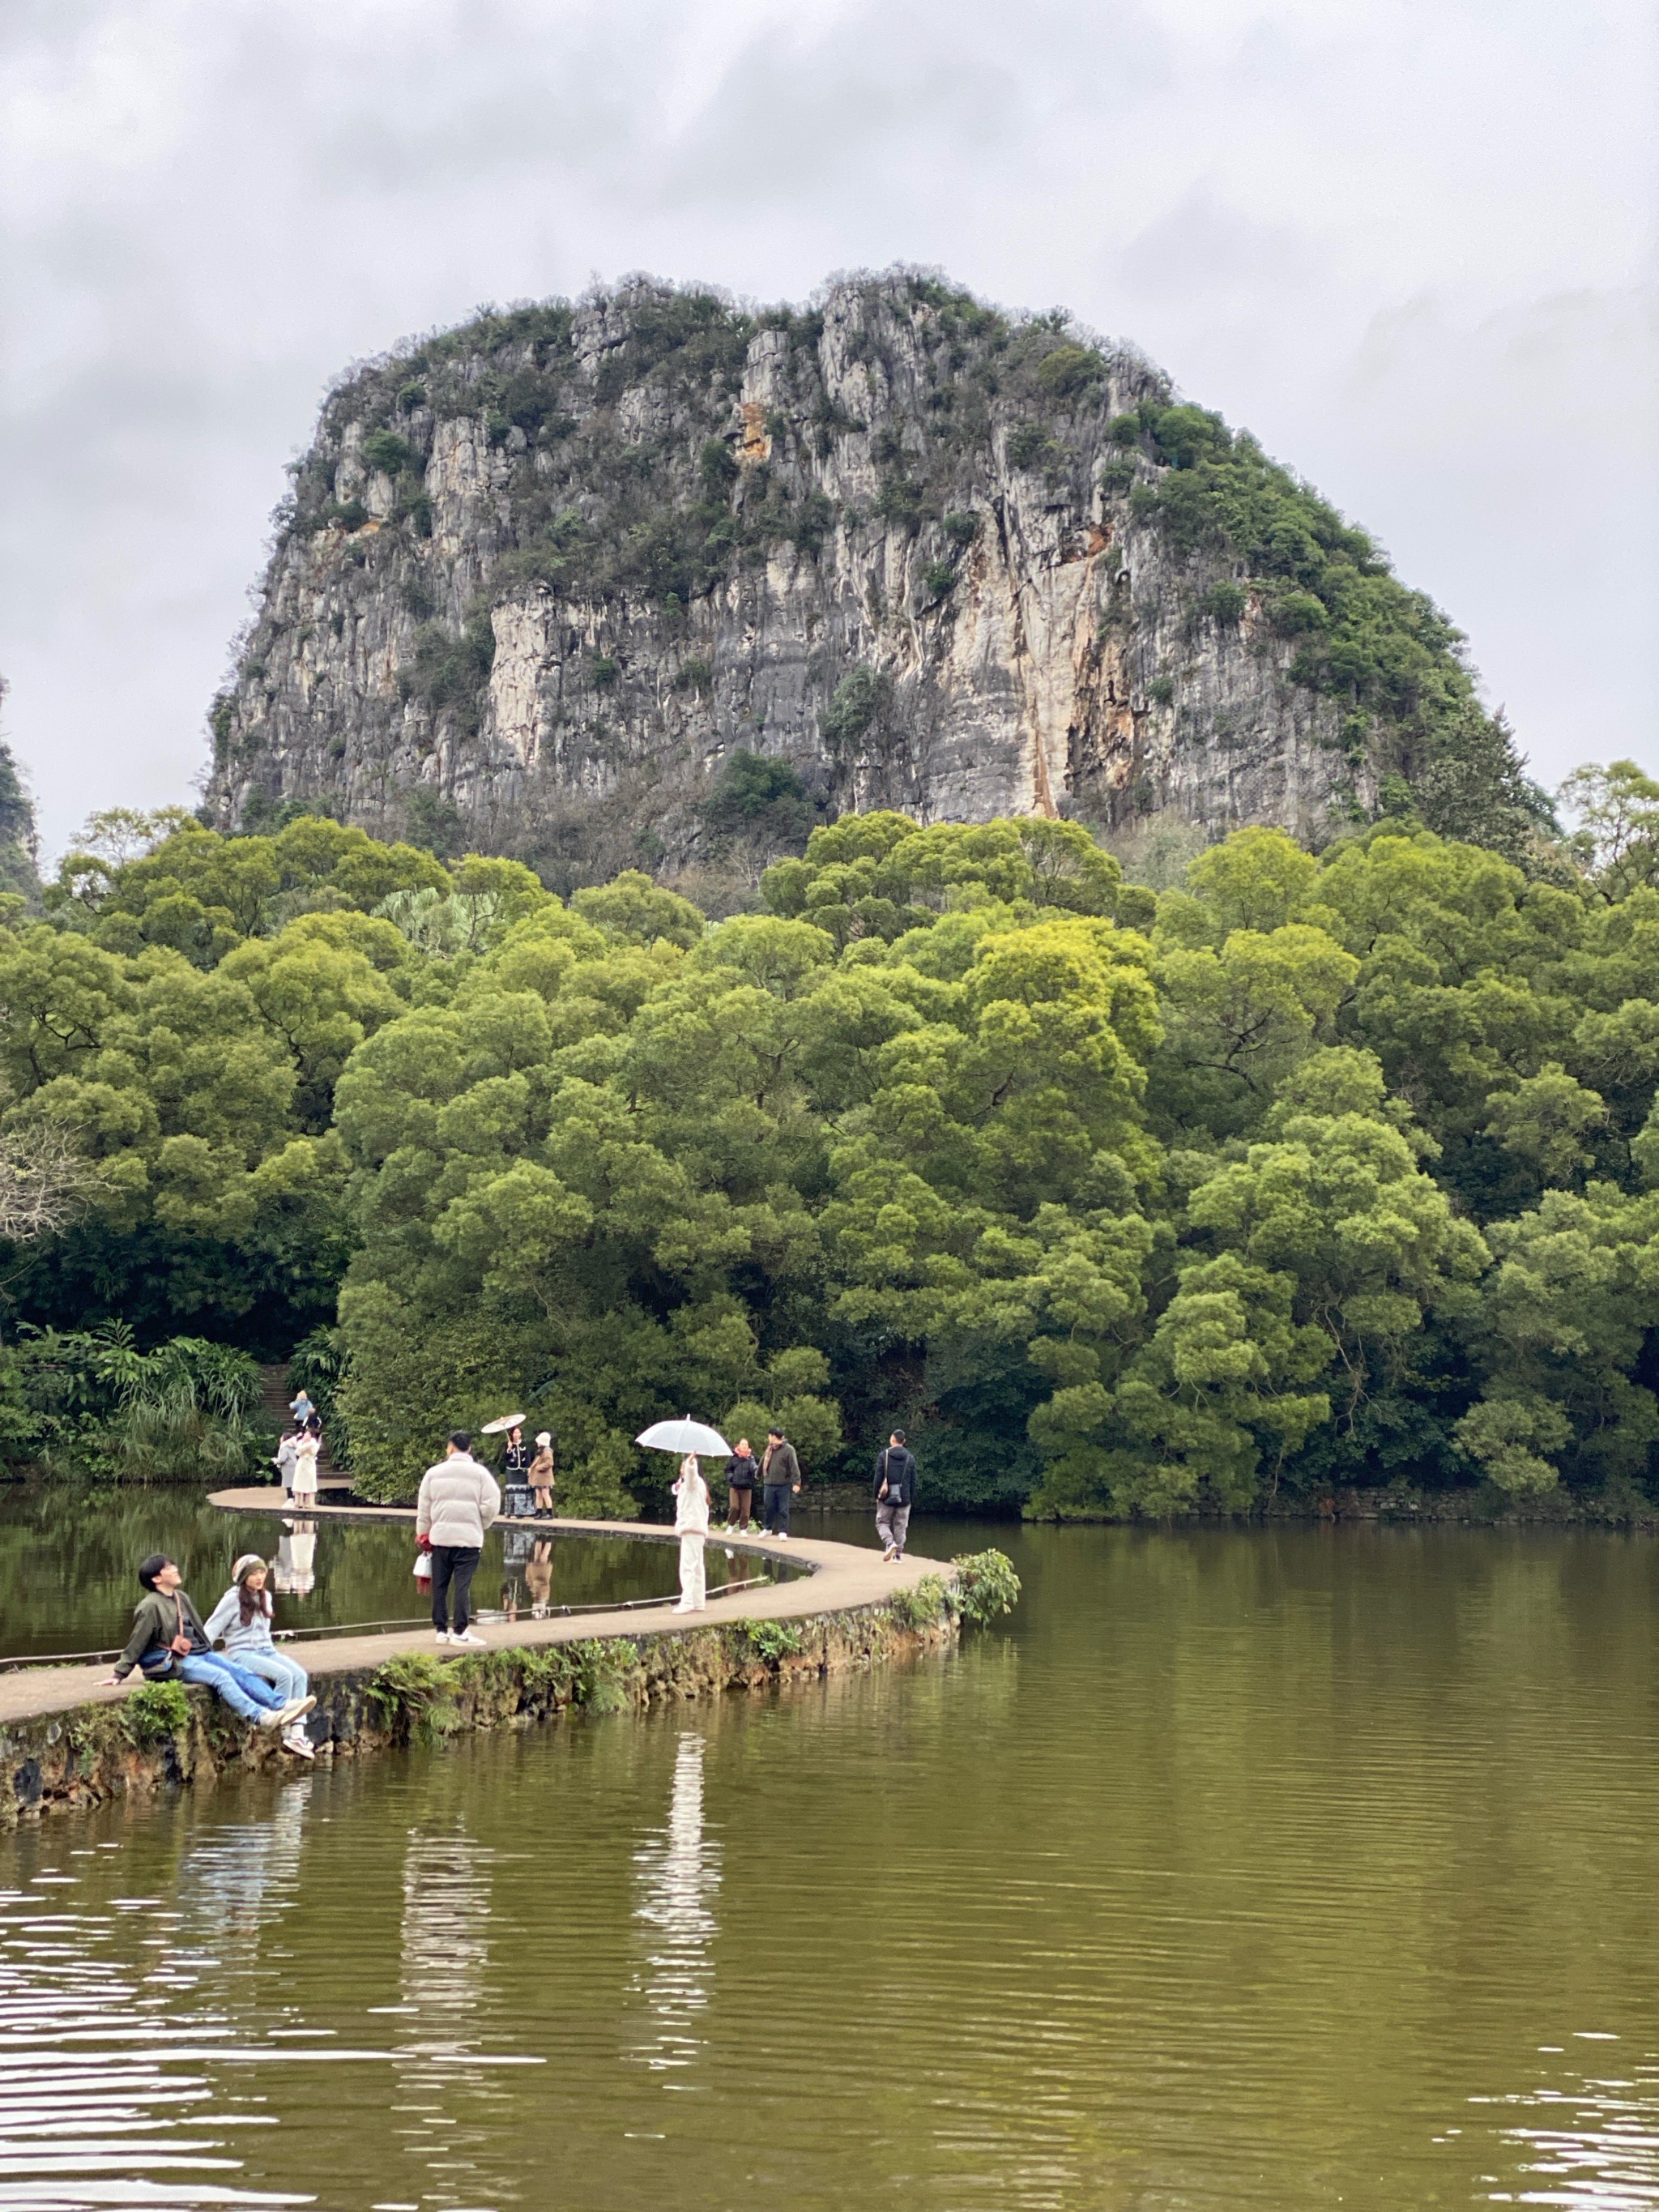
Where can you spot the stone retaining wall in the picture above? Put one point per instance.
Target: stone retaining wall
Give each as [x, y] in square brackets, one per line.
[165, 1734]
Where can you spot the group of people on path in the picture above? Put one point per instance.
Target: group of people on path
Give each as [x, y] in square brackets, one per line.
[171, 1643]
[776, 1476]
[298, 1450]
[460, 1501]
[535, 1471]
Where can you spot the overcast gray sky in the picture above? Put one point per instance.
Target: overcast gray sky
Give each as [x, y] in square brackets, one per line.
[1408, 242]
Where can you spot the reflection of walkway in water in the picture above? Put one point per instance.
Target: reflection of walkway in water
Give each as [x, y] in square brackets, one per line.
[678, 1876]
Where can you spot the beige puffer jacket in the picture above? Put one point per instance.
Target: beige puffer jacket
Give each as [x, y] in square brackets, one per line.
[459, 1501]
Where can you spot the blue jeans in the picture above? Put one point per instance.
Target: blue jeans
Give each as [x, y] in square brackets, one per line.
[276, 1667]
[243, 1692]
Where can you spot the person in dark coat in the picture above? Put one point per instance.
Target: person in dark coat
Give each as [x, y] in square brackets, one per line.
[742, 1474]
[780, 1481]
[896, 1493]
[515, 1472]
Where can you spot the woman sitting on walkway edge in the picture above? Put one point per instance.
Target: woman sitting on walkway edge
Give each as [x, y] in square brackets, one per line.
[169, 1643]
[242, 1620]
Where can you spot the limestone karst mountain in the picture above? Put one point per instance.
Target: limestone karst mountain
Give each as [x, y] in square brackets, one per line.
[611, 582]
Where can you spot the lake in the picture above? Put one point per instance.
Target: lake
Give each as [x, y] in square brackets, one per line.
[68, 1558]
[1281, 1868]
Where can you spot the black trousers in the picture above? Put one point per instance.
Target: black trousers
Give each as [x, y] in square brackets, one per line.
[454, 1565]
[775, 1498]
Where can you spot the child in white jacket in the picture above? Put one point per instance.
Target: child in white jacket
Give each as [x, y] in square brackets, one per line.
[242, 1618]
[691, 1525]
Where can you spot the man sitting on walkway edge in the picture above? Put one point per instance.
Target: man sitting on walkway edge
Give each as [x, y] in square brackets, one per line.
[896, 1493]
[169, 1644]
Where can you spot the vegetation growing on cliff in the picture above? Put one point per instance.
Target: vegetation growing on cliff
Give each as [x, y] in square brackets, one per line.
[620, 469]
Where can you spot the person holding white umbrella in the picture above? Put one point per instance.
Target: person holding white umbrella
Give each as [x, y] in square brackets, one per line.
[691, 1527]
[691, 1497]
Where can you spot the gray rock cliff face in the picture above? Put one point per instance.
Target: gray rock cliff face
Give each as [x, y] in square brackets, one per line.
[543, 578]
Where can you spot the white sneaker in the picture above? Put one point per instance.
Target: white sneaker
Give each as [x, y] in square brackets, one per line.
[443, 1635]
[685, 1605]
[295, 1710]
[300, 1744]
[783, 1535]
[892, 1552]
[271, 1717]
[467, 1637]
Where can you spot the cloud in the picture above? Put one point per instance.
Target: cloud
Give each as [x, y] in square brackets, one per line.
[1404, 241]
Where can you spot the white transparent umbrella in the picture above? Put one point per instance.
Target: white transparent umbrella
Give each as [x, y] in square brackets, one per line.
[500, 1428]
[684, 1437]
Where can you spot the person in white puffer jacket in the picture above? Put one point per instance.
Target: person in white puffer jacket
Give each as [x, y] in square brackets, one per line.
[459, 1500]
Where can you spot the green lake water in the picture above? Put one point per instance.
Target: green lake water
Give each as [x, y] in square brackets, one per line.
[68, 1557]
[1279, 1869]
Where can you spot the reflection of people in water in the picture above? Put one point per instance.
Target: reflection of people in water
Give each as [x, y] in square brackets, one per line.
[538, 1577]
[295, 1568]
[237, 1879]
[679, 1879]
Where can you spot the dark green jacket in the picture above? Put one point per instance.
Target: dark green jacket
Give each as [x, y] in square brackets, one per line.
[156, 1621]
[780, 1465]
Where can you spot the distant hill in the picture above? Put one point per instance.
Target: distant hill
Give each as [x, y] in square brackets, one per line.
[654, 575]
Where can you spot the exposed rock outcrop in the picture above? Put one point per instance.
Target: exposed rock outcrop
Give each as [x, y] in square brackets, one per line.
[544, 577]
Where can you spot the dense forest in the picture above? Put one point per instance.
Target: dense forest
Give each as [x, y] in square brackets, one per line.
[1307, 1171]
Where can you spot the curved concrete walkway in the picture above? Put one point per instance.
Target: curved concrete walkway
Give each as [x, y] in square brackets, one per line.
[842, 1577]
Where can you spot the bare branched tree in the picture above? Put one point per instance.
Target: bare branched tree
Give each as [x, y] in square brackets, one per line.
[45, 1181]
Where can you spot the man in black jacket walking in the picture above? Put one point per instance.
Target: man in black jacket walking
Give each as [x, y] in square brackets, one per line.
[896, 1493]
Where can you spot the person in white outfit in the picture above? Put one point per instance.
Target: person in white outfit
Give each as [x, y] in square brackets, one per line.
[242, 1620]
[286, 1451]
[305, 1450]
[691, 1525]
[459, 1499]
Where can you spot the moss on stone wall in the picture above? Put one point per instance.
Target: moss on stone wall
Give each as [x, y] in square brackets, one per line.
[166, 1735]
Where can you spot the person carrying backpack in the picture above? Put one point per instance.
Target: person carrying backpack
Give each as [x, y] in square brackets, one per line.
[896, 1493]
